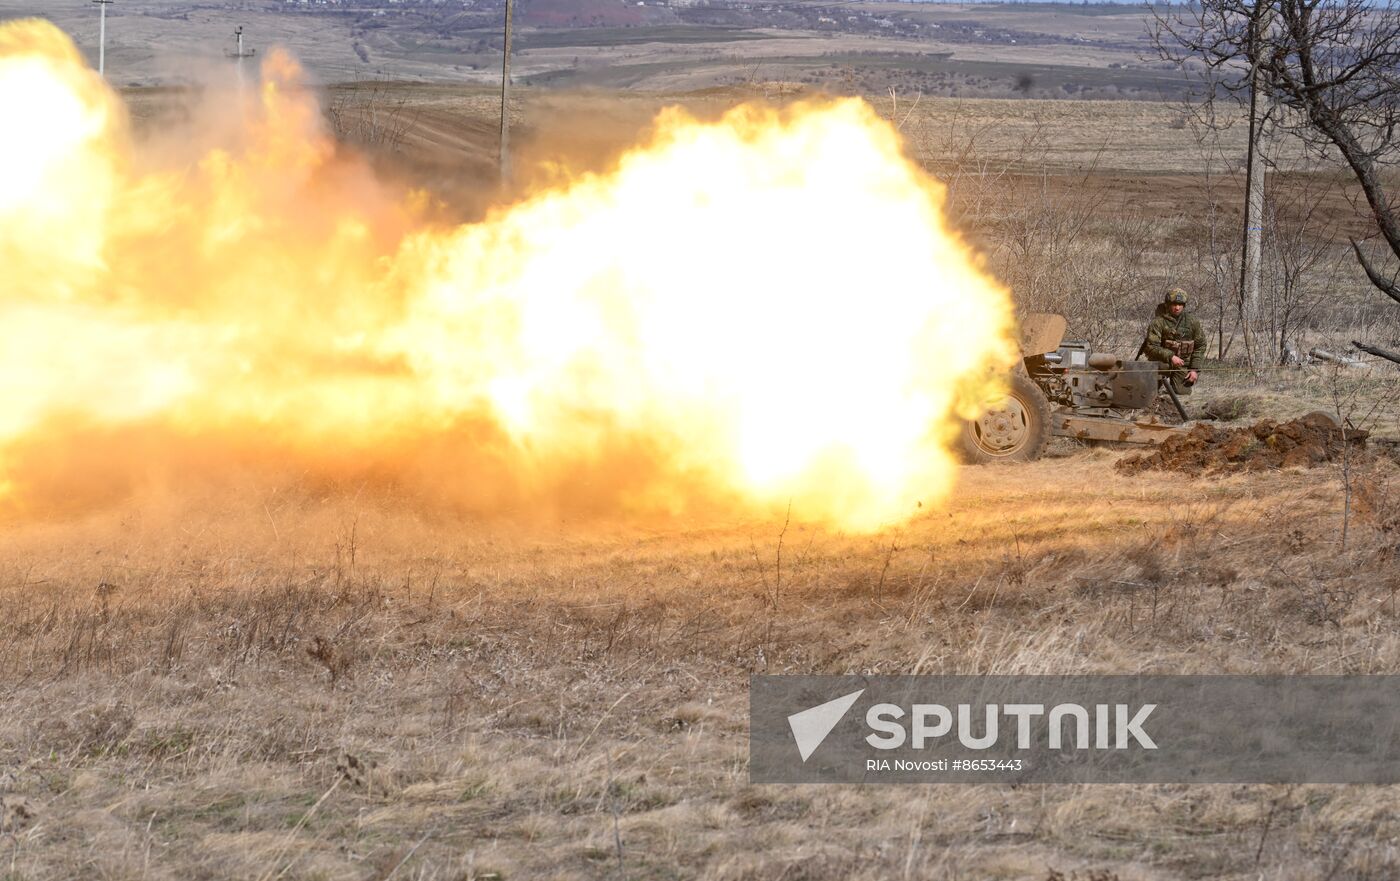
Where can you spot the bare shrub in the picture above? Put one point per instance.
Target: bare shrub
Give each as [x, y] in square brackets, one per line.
[371, 115]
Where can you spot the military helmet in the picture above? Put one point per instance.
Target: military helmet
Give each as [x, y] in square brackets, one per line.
[1174, 297]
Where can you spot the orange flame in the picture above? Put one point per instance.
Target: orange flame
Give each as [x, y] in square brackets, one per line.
[767, 310]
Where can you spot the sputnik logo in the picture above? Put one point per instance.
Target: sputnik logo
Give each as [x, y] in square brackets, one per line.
[811, 726]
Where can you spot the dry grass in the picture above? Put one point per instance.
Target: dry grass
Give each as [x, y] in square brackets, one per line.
[258, 686]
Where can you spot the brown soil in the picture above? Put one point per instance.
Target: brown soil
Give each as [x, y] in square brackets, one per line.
[1207, 449]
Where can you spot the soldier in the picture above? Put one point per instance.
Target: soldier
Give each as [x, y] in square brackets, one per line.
[1177, 340]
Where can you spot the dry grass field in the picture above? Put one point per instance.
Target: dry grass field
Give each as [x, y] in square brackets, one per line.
[261, 677]
[265, 682]
[969, 50]
[1089, 208]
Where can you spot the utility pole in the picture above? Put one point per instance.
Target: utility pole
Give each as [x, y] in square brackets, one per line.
[239, 53]
[102, 37]
[505, 98]
[1254, 190]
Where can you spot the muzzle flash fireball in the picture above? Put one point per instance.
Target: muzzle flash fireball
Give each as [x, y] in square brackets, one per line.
[760, 311]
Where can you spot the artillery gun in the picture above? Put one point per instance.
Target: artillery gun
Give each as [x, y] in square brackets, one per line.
[1062, 389]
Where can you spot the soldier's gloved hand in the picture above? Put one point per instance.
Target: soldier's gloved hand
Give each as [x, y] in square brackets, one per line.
[1177, 362]
[1191, 377]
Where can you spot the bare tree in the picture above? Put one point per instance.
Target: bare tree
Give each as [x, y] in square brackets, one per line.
[1046, 233]
[1216, 249]
[1331, 66]
[1302, 261]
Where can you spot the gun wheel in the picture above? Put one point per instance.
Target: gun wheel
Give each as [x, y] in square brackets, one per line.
[1015, 428]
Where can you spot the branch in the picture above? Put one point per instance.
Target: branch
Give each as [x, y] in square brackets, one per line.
[1379, 353]
[1385, 285]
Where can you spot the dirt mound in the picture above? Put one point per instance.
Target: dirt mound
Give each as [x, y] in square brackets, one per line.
[1208, 449]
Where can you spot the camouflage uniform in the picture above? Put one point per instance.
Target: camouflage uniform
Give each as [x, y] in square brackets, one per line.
[1165, 336]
